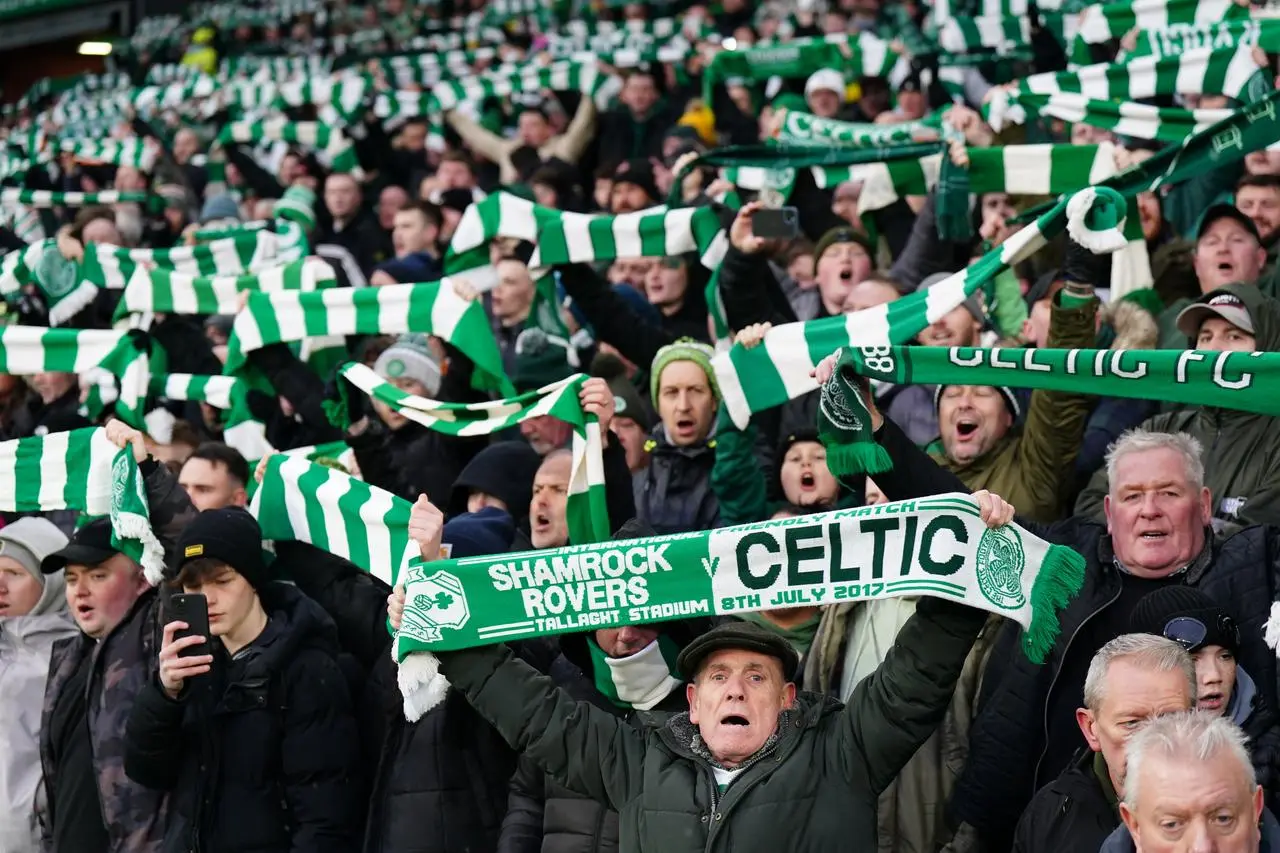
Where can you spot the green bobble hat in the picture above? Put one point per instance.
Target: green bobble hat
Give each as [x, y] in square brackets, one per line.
[298, 205]
[685, 349]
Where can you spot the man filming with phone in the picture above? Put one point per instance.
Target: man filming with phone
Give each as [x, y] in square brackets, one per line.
[248, 723]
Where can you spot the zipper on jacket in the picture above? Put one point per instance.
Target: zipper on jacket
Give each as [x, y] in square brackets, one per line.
[779, 756]
[1054, 681]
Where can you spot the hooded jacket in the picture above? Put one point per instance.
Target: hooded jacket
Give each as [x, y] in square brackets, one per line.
[1241, 449]
[264, 756]
[121, 665]
[25, 644]
[673, 494]
[812, 788]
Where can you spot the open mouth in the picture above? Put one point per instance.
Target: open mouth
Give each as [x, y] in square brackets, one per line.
[684, 425]
[1211, 700]
[1226, 267]
[735, 720]
[846, 275]
[541, 520]
[966, 429]
[84, 610]
[1152, 536]
[807, 480]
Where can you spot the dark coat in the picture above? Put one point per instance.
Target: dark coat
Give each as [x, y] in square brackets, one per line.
[814, 790]
[264, 756]
[122, 665]
[1009, 756]
[1069, 815]
[673, 494]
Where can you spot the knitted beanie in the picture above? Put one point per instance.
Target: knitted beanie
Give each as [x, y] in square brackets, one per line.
[685, 349]
[298, 205]
[1155, 611]
[410, 358]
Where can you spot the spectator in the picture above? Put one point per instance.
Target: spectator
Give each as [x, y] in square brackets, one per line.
[889, 717]
[33, 617]
[348, 227]
[1132, 679]
[634, 187]
[675, 287]
[1239, 446]
[415, 236]
[391, 201]
[674, 493]
[215, 476]
[824, 92]
[267, 706]
[1193, 766]
[535, 131]
[637, 127]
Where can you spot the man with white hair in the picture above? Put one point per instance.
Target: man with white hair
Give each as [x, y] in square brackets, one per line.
[1132, 679]
[1156, 532]
[1191, 788]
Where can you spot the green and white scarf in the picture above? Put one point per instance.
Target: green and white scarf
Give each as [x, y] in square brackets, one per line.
[112, 266]
[805, 127]
[936, 546]
[640, 680]
[304, 501]
[65, 284]
[429, 309]
[1125, 118]
[586, 513]
[860, 55]
[571, 238]
[129, 152]
[336, 150]
[1104, 22]
[153, 291]
[1225, 380]
[240, 429]
[1001, 33]
[1216, 34]
[82, 470]
[47, 198]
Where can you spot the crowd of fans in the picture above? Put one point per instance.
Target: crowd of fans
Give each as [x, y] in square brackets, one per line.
[1161, 682]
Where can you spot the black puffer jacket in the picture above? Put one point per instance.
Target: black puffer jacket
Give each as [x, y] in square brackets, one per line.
[674, 494]
[266, 756]
[1069, 815]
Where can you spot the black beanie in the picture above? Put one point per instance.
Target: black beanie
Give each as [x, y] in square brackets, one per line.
[230, 535]
[1155, 611]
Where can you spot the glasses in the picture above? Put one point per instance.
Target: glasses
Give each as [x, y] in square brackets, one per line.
[1191, 633]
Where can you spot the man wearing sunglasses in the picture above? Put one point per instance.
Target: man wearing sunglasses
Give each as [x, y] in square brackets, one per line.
[1208, 632]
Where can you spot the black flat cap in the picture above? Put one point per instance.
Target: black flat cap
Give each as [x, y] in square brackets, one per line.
[744, 636]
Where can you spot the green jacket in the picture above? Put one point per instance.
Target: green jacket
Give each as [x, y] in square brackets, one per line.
[815, 791]
[1241, 450]
[1033, 469]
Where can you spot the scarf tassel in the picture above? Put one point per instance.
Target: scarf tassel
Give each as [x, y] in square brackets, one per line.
[421, 684]
[1096, 218]
[1059, 581]
[860, 457]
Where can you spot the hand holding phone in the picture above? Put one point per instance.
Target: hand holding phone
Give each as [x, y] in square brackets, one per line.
[184, 649]
[781, 223]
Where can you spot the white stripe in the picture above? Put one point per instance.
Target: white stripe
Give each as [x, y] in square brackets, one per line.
[53, 470]
[1028, 169]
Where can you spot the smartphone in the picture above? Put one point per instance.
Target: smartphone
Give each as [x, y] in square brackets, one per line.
[781, 223]
[192, 608]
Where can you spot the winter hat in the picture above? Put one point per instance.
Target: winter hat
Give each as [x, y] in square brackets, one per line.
[504, 470]
[842, 234]
[28, 541]
[230, 535]
[744, 636]
[827, 79]
[1221, 303]
[219, 208]
[298, 205]
[478, 534]
[410, 358]
[640, 174]
[685, 349]
[1187, 616]
[702, 121]
[972, 302]
[540, 361]
[1010, 399]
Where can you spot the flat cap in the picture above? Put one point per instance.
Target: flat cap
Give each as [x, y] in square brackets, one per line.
[744, 636]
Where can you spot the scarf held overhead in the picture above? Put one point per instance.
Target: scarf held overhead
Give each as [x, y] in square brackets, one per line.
[937, 546]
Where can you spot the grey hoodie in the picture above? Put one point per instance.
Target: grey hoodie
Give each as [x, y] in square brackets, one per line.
[25, 642]
[1121, 842]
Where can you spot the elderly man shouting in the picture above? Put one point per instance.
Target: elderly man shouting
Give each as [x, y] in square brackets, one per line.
[753, 765]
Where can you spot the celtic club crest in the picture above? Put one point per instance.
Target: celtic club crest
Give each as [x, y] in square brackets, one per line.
[434, 602]
[1000, 562]
[836, 410]
[119, 480]
[56, 275]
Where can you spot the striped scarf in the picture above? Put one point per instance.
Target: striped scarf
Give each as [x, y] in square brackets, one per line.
[66, 286]
[861, 55]
[1211, 34]
[1124, 118]
[805, 127]
[47, 198]
[586, 513]
[1104, 22]
[777, 370]
[152, 291]
[571, 238]
[129, 152]
[864, 554]
[430, 309]
[241, 430]
[82, 470]
[336, 151]
[1001, 33]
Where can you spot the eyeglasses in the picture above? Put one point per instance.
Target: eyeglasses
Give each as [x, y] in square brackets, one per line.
[1191, 633]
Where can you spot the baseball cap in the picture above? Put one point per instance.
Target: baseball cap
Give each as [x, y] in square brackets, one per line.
[1227, 211]
[825, 78]
[89, 546]
[1228, 306]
